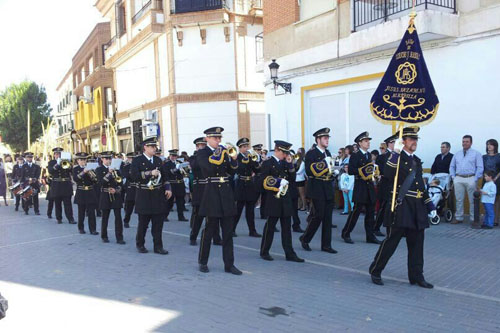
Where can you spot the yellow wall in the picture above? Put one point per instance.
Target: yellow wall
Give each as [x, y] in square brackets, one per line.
[89, 114]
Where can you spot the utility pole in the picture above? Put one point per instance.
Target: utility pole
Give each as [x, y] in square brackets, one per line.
[29, 130]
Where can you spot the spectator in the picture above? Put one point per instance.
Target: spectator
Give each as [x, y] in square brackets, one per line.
[346, 186]
[466, 168]
[374, 154]
[383, 148]
[491, 161]
[355, 148]
[340, 157]
[442, 161]
[348, 150]
[300, 179]
[488, 194]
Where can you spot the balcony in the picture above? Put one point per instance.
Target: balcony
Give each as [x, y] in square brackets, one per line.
[189, 6]
[367, 13]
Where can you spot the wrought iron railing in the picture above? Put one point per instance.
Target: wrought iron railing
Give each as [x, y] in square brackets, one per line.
[141, 12]
[370, 11]
[186, 6]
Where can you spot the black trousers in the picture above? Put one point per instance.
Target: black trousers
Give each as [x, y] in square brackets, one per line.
[90, 210]
[180, 204]
[295, 216]
[286, 235]
[18, 200]
[321, 213]
[197, 221]
[156, 230]
[50, 207]
[380, 215]
[353, 218]
[212, 227]
[129, 209]
[31, 201]
[415, 244]
[263, 205]
[118, 223]
[68, 208]
[249, 214]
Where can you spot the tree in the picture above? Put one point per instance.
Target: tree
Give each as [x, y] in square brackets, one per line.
[15, 101]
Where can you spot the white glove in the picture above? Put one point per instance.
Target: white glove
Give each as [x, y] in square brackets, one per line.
[336, 172]
[59, 161]
[283, 183]
[433, 214]
[328, 160]
[178, 166]
[398, 146]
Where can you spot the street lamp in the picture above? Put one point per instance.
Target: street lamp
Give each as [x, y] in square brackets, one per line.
[273, 69]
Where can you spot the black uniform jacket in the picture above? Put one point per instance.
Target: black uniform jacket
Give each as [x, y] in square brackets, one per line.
[130, 186]
[199, 181]
[364, 190]
[17, 173]
[149, 200]
[32, 173]
[108, 181]
[175, 178]
[282, 206]
[61, 180]
[218, 198]
[246, 189]
[85, 194]
[412, 213]
[384, 186]
[320, 184]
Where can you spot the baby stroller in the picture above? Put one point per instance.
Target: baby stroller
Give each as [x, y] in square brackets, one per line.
[439, 187]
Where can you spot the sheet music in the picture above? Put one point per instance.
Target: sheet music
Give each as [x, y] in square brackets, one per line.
[116, 163]
[92, 166]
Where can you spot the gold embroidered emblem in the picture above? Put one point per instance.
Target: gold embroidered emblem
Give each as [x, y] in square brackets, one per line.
[406, 73]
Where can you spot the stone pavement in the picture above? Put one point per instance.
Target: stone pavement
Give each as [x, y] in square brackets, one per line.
[57, 280]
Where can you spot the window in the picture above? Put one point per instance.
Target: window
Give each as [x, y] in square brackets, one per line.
[91, 65]
[108, 96]
[137, 134]
[83, 73]
[311, 8]
[121, 22]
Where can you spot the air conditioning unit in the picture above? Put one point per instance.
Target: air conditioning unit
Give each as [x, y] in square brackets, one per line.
[150, 115]
[87, 94]
[150, 130]
[74, 103]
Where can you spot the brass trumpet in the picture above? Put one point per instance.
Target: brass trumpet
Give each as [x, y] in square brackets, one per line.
[231, 149]
[253, 155]
[92, 175]
[65, 164]
[282, 192]
[154, 181]
[117, 178]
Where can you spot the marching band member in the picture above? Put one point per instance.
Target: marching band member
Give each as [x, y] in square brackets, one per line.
[217, 203]
[320, 189]
[246, 194]
[277, 172]
[172, 170]
[151, 196]
[110, 198]
[85, 197]
[62, 188]
[16, 177]
[410, 218]
[30, 175]
[362, 167]
[47, 180]
[130, 187]
[294, 194]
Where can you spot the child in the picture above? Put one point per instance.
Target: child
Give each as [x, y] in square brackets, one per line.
[488, 192]
[346, 186]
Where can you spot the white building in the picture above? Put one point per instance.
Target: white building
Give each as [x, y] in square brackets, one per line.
[334, 56]
[65, 109]
[186, 67]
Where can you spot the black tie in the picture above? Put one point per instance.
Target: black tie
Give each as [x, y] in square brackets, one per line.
[367, 156]
[465, 152]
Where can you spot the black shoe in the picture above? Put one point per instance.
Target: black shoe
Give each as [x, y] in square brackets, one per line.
[348, 240]
[276, 229]
[378, 233]
[166, 219]
[266, 257]
[219, 243]
[204, 268]
[26, 212]
[142, 249]
[298, 229]
[334, 226]
[121, 242]
[233, 270]
[182, 219]
[17, 208]
[422, 283]
[373, 241]
[59, 221]
[484, 226]
[105, 240]
[328, 249]
[192, 242]
[255, 234]
[126, 225]
[72, 222]
[94, 233]
[344, 213]
[305, 246]
[495, 224]
[161, 251]
[81, 231]
[294, 258]
[234, 234]
[37, 213]
[49, 216]
[377, 280]
[99, 215]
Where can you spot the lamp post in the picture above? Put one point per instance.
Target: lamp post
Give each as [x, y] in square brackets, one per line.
[273, 69]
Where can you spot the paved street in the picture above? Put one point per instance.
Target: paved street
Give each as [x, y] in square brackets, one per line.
[57, 280]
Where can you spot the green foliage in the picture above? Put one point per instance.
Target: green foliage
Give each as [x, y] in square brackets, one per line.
[15, 101]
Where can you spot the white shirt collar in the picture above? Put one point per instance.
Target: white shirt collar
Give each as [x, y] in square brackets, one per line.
[149, 158]
[212, 149]
[364, 152]
[277, 159]
[322, 151]
[407, 153]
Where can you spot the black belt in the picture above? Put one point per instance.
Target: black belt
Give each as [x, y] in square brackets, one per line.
[151, 188]
[60, 179]
[85, 188]
[200, 181]
[325, 179]
[175, 181]
[466, 176]
[245, 178]
[106, 189]
[218, 179]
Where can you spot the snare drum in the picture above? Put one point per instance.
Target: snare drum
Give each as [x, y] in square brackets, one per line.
[27, 192]
[16, 188]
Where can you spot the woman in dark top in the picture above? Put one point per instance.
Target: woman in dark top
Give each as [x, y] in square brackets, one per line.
[491, 161]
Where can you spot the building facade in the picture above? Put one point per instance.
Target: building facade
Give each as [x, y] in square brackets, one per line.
[93, 91]
[183, 66]
[65, 109]
[334, 53]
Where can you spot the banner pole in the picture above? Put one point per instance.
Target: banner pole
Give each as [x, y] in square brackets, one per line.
[395, 187]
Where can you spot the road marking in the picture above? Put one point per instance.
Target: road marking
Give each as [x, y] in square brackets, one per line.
[358, 271]
[37, 241]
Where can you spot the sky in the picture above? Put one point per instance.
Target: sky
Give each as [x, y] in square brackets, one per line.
[39, 38]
